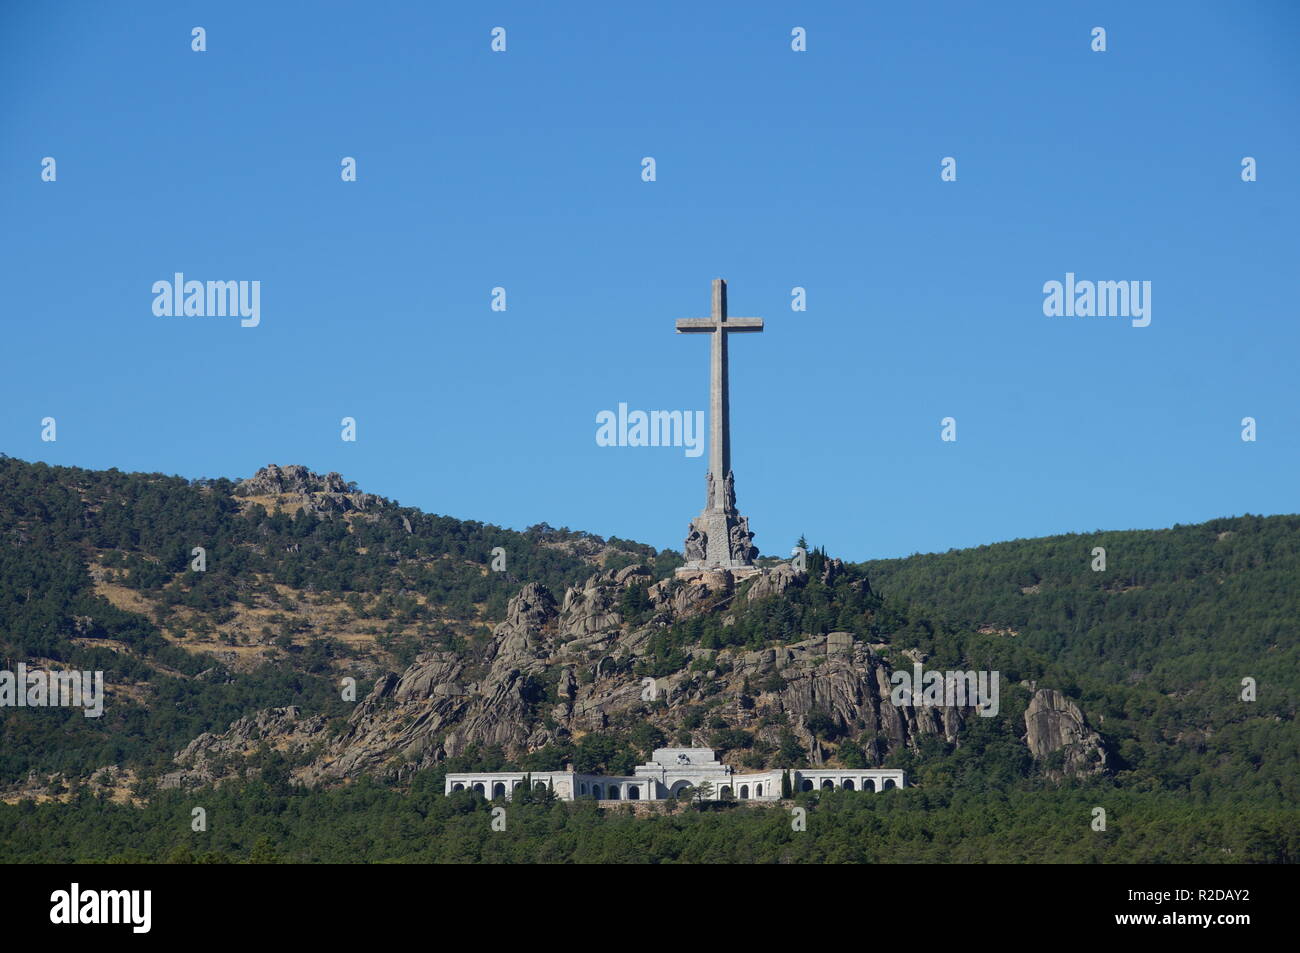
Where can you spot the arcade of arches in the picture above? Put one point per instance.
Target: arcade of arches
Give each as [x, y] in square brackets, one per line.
[668, 773]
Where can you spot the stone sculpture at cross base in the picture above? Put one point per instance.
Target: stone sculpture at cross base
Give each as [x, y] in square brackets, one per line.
[719, 537]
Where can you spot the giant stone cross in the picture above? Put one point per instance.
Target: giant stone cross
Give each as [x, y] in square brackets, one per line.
[719, 537]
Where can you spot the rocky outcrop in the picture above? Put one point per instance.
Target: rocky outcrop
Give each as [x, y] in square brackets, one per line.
[775, 581]
[273, 480]
[591, 609]
[205, 760]
[437, 708]
[529, 618]
[322, 494]
[1054, 723]
[558, 668]
[847, 684]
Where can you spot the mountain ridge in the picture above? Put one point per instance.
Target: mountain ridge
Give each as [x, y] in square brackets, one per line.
[472, 667]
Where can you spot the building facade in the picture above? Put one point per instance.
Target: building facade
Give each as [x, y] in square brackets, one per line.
[667, 773]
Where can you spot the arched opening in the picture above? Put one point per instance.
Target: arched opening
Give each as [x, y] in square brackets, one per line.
[478, 787]
[848, 784]
[518, 785]
[758, 790]
[828, 785]
[868, 784]
[726, 791]
[679, 787]
[458, 786]
[890, 783]
[499, 789]
[633, 793]
[612, 794]
[582, 787]
[744, 792]
[806, 785]
[597, 791]
[539, 785]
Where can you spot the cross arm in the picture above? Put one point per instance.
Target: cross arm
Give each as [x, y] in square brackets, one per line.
[685, 325]
[699, 325]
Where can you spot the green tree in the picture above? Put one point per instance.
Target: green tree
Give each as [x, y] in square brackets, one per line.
[701, 794]
[264, 852]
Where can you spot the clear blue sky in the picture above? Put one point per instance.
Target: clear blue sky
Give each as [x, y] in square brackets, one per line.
[775, 169]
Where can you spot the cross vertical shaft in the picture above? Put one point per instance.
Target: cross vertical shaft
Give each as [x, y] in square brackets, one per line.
[719, 395]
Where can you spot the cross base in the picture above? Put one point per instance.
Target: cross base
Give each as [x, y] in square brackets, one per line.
[720, 539]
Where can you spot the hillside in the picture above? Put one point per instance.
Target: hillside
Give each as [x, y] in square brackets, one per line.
[306, 580]
[587, 651]
[1154, 647]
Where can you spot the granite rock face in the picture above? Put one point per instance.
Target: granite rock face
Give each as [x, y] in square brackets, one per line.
[200, 762]
[1054, 723]
[775, 581]
[322, 494]
[583, 646]
[558, 668]
[273, 480]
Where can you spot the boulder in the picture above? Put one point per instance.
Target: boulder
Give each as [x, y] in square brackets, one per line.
[1055, 723]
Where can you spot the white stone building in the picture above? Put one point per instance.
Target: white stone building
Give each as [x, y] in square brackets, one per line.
[668, 772]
